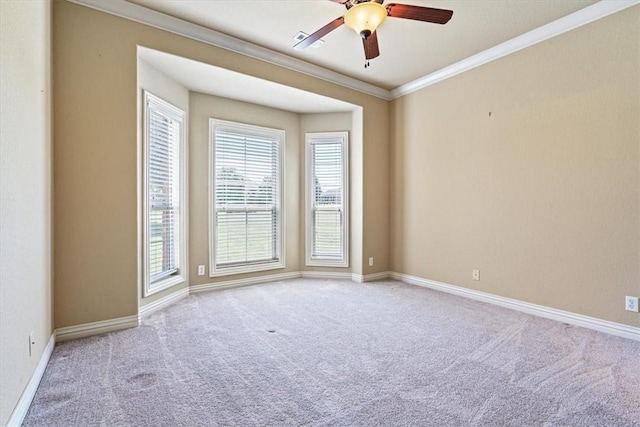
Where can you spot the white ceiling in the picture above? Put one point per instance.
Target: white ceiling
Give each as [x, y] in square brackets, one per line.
[408, 49]
[205, 78]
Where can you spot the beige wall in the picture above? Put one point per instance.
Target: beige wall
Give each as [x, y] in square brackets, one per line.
[203, 107]
[159, 84]
[375, 187]
[163, 86]
[356, 192]
[25, 194]
[95, 153]
[527, 168]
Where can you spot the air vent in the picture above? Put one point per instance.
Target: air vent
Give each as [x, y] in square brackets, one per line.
[302, 35]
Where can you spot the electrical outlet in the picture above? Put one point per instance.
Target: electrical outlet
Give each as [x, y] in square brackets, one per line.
[631, 304]
[370, 261]
[476, 274]
[201, 270]
[32, 342]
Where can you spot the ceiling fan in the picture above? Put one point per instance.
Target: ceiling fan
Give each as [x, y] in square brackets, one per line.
[364, 17]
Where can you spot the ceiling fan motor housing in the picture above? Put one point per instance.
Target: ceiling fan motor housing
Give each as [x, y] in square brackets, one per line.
[365, 17]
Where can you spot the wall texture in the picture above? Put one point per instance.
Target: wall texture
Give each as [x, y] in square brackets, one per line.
[527, 168]
[25, 194]
[95, 125]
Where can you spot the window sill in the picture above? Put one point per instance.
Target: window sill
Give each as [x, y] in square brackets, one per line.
[327, 263]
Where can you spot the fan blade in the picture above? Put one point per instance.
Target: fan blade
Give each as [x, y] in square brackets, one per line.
[312, 38]
[419, 13]
[371, 49]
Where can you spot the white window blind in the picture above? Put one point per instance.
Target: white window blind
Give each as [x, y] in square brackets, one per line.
[246, 213]
[164, 198]
[327, 219]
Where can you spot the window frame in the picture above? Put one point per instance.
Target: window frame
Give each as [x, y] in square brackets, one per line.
[312, 138]
[180, 276]
[279, 136]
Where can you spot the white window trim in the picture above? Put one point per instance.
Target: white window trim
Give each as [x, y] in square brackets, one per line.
[181, 276]
[249, 268]
[309, 190]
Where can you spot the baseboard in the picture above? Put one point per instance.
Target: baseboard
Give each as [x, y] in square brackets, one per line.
[376, 276]
[161, 303]
[285, 276]
[600, 325]
[20, 411]
[228, 284]
[326, 275]
[96, 328]
[358, 278]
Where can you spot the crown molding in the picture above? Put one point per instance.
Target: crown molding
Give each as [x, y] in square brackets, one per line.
[140, 14]
[152, 18]
[577, 19]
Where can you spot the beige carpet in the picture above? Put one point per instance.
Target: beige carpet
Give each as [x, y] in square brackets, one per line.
[319, 352]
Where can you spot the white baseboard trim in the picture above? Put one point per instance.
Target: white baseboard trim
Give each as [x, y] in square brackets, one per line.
[376, 276]
[21, 409]
[161, 303]
[358, 278]
[600, 325]
[96, 328]
[337, 275]
[355, 277]
[228, 284]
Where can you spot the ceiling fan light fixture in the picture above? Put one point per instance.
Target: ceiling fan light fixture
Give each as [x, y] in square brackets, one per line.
[364, 18]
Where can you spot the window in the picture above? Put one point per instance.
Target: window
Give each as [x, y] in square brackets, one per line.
[164, 196]
[327, 199]
[246, 205]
